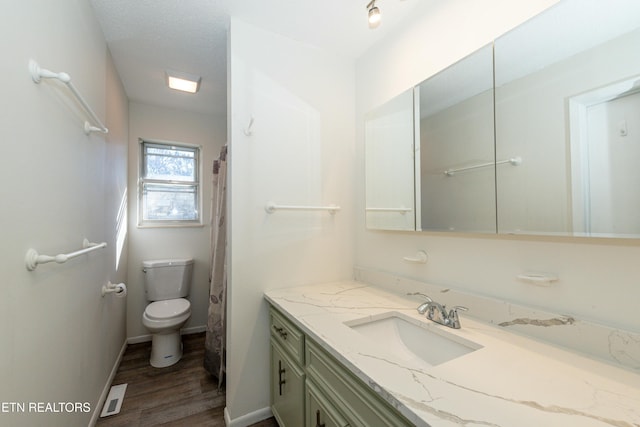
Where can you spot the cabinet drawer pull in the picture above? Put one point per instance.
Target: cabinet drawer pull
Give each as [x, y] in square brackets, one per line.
[281, 381]
[318, 419]
[281, 332]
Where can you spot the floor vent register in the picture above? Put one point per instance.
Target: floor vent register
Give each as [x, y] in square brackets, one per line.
[114, 400]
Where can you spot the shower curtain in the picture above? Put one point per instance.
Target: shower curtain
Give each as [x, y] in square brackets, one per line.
[215, 341]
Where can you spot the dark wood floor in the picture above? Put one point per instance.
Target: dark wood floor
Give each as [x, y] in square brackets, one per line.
[180, 395]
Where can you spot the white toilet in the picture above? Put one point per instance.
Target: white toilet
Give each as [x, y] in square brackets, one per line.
[166, 283]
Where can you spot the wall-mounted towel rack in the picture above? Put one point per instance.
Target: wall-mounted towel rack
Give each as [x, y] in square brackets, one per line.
[540, 279]
[38, 74]
[514, 161]
[401, 210]
[271, 207]
[32, 259]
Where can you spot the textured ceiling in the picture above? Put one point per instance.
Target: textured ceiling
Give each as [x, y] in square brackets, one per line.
[146, 37]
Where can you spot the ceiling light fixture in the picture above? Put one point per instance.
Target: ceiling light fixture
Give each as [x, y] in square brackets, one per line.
[374, 14]
[182, 81]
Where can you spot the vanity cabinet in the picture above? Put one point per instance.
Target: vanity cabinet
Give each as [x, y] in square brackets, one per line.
[319, 411]
[287, 388]
[348, 395]
[310, 388]
[287, 374]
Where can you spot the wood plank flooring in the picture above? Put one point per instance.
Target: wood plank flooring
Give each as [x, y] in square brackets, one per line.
[180, 395]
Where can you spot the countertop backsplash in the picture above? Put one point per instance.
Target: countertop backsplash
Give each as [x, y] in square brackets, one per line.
[615, 346]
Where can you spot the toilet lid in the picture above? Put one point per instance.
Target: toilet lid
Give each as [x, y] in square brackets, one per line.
[167, 309]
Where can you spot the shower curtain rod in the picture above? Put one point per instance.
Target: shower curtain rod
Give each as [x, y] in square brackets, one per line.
[38, 74]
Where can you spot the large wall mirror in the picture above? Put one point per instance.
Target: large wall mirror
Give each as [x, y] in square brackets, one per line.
[456, 139]
[568, 102]
[389, 165]
[561, 160]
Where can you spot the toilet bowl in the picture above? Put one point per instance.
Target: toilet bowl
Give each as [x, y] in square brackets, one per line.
[166, 284]
[164, 320]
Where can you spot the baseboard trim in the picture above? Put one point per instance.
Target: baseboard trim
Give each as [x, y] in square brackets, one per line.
[247, 419]
[185, 331]
[105, 391]
[193, 330]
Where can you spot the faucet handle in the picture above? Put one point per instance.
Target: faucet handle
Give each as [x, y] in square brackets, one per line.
[453, 316]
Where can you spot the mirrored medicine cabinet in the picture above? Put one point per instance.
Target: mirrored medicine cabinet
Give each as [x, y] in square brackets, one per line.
[536, 134]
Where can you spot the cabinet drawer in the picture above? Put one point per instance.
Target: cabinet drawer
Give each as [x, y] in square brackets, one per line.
[319, 412]
[359, 404]
[287, 335]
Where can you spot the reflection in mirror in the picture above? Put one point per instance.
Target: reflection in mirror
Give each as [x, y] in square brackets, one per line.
[568, 102]
[457, 171]
[389, 174]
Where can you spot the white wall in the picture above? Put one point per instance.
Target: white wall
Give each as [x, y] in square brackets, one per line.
[163, 124]
[60, 339]
[301, 152]
[598, 278]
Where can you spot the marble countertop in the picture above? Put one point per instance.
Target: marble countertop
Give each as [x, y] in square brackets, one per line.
[511, 381]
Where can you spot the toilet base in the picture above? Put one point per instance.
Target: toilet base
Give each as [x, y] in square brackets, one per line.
[166, 349]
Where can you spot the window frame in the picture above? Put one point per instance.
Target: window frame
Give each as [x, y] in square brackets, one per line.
[142, 180]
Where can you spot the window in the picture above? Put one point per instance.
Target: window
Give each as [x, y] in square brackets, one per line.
[169, 184]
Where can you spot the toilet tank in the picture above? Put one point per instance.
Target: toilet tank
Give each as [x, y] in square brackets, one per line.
[167, 278]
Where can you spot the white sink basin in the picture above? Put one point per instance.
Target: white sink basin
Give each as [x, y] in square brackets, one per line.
[411, 339]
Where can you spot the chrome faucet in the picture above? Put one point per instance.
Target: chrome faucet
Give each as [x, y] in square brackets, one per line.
[437, 312]
[422, 308]
[454, 320]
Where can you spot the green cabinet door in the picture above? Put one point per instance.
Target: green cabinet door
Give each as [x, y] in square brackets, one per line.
[320, 412]
[287, 389]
